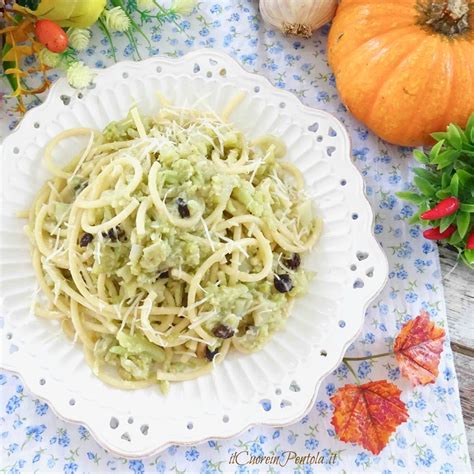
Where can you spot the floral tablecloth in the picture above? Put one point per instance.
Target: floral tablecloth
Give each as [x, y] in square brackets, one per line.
[433, 440]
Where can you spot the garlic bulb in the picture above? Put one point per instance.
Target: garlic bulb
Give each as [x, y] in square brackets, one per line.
[297, 17]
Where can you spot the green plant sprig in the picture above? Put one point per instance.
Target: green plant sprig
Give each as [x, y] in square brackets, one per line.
[448, 171]
[163, 15]
[129, 8]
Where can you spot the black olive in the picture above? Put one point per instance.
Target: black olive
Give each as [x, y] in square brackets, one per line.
[164, 274]
[79, 187]
[294, 262]
[119, 234]
[183, 208]
[86, 239]
[283, 283]
[114, 234]
[66, 273]
[211, 354]
[223, 332]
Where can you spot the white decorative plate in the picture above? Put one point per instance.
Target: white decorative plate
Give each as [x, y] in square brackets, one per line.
[276, 386]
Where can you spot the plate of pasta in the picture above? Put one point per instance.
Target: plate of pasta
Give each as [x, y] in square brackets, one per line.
[185, 251]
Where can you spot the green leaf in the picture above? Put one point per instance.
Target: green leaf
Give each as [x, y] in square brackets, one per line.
[466, 207]
[11, 78]
[445, 163]
[470, 128]
[455, 238]
[454, 137]
[454, 185]
[424, 186]
[461, 165]
[443, 193]
[415, 219]
[433, 178]
[465, 177]
[435, 150]
[445, 180]
[447, 156]
[462, 134]
[463, 220]
[469, 256]
[449, 171]
[411, 197]
[439, 136]
[420, 156]
[446, 221]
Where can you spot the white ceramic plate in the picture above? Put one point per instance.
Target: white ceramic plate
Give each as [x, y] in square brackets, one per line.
[351, 267]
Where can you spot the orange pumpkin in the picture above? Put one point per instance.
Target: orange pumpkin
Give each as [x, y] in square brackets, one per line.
[405, 68]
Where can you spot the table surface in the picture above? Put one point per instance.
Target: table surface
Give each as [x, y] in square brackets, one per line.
[459, 293]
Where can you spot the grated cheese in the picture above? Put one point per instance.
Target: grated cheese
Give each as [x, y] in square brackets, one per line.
[208, 235]
[138, 123]
[82, 159]
[202, 319]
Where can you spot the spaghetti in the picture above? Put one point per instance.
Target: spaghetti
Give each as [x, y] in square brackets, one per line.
[168, 241]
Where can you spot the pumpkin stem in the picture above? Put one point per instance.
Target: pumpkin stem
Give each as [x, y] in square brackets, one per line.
[448, 17]
[297, 29]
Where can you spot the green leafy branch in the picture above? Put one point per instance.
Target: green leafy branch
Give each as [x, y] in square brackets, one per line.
[448, 173]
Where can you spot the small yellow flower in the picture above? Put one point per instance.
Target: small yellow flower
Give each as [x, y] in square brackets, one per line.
[79, 38]
[48, 58]
[183, 7]
[79, 75]
[145, 4]
[116, 19]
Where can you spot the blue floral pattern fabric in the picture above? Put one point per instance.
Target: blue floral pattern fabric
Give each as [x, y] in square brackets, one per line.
[432, 440]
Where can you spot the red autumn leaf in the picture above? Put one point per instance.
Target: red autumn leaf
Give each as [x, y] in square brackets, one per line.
[418, 349]
[368, 414]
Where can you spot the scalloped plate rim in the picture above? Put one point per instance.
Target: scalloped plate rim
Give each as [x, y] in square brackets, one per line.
[371, 240]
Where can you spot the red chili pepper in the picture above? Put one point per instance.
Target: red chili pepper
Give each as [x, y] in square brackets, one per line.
[470, 241]
[435, 234]
[444, 208]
